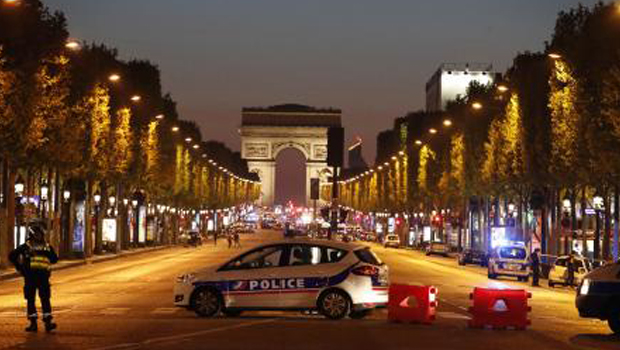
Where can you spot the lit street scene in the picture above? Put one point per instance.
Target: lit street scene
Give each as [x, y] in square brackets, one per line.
[310, 175]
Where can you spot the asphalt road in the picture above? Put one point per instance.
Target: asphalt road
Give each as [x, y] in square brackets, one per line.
[127, 304]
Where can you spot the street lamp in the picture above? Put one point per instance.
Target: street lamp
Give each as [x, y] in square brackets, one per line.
[44, 191]
[447, 122]
[114, 78]
[66, 195]
[19, 186]
[73, 45]
[159, 117]
[555, 56]
[476, 105]
[134, 203]
[175, 129]
[136, 98]
[97, 197]
[432, 130]
[112, 200]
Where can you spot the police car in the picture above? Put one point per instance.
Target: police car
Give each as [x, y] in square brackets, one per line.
[509, 260]
[334, 278]
[598, 295]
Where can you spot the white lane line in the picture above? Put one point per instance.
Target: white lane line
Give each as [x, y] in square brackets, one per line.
[452, 315]
[165, 311]
[444, 301]
[115, 311]
[179, 337]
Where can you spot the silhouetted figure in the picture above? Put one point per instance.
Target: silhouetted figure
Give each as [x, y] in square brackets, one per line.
[535, 263]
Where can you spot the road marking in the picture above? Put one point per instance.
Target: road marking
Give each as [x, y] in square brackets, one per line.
[165, 311]
[115, 311]
[176, 338]
[452, 315]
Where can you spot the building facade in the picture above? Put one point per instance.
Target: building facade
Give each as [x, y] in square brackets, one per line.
[451, 81]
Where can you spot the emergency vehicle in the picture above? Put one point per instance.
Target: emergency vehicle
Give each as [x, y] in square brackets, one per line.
[598, 295]
[334, 278]
[509, 260]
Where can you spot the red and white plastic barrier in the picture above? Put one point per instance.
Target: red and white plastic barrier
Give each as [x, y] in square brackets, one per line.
[499, 308]
[415, 304]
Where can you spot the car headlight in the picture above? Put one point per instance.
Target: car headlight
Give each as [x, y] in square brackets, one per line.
[585, 287]
[187, 278]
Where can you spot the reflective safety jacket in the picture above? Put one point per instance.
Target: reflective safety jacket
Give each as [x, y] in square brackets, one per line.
[33, 258]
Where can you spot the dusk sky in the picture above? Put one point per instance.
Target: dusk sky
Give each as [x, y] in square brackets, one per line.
[370, 58]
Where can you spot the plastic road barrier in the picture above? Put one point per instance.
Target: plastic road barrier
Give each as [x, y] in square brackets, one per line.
[414, 304]
[499, 308]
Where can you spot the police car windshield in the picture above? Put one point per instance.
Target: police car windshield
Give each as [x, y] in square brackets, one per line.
[512, 253]
[366, 255]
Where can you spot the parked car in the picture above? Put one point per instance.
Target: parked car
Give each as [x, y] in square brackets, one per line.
[509, 260]
[598, 295]
[391, 241]
[558, 274]
[437, 248]
[473, 256]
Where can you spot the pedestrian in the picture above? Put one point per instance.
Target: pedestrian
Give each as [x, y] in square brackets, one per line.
[215, 238]
[33, 260]
[230, 240]
[237, 240]
[570, 270]
[535, 263]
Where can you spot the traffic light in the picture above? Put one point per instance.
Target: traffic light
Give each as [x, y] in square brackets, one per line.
[335, 146]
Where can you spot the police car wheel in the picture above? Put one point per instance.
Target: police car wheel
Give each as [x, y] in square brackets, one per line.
[206, 302]
[334, 304]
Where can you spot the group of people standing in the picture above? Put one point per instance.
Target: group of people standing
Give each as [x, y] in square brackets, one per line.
[233, 238]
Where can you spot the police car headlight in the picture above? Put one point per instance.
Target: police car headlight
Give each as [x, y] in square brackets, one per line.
[187, 278]
[585, 287]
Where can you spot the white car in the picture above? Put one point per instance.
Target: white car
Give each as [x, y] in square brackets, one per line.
[509, 260]
[559, 271]
[337, 279]
[391, 241]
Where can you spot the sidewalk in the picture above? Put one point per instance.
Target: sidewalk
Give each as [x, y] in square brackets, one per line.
[8, 274]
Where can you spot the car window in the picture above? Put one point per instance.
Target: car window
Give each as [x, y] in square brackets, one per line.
[259, 258]
[512, 253]
[304, 255]
[332, 255]
[560, 262]
[366, 255]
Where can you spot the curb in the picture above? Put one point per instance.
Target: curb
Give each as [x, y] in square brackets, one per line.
[88, 261]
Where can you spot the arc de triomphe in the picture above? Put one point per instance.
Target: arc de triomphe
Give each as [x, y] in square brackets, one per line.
[265, 132]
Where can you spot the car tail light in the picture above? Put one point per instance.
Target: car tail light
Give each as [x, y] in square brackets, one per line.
[365, 271]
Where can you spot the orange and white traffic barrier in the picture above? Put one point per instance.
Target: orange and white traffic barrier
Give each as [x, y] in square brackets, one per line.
[415, 304]
[500, 308]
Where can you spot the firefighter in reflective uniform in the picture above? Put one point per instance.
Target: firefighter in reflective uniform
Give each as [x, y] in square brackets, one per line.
[34, 260]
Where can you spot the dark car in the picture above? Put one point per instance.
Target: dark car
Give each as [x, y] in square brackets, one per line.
[473, 256]
[598, 295]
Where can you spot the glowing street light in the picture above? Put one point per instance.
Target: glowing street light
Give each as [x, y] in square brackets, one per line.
[447, 122]
[175, 129]
[432, 130]
[114, 78]
[136, 98]
[73, 45]
[554, 56]
[196, 146]
[502, 88]
[11, 2]
[418, 142]
[188, 140]
[159, 117]
[476, 105]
